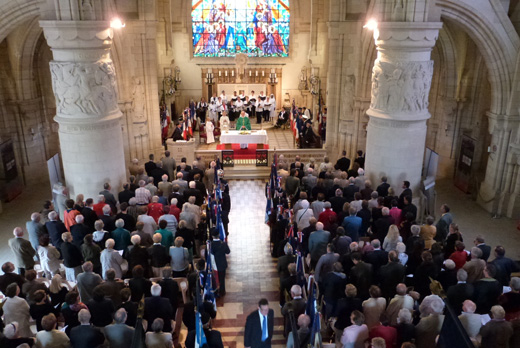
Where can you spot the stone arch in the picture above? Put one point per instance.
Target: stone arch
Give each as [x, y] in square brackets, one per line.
[447, 53]
[497, 41]
[12, 13]
[27, 89]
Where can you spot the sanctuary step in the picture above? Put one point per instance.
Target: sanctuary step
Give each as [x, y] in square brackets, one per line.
[246, 172]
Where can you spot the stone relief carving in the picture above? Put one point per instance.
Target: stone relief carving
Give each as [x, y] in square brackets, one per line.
[84, 88]
[348, 96]
[402, 88]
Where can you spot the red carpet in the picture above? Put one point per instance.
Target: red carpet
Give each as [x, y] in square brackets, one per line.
[249, 153]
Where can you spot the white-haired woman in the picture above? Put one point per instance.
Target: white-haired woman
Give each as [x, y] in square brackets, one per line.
[12, 337]
[111, 258]
[431, 322]
[100, 236]
[16, 309]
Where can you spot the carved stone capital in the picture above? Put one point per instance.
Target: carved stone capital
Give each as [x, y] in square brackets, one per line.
[84, 90]
[407, 35]
[77, 34]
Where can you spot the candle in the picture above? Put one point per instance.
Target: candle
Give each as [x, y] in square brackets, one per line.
[249, 73]
[275, 75]
[262, 73]
[232, 72]
[219, 73]
[256, 73]
[225, 73]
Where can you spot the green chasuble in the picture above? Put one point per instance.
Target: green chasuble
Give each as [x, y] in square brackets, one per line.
[243, 122]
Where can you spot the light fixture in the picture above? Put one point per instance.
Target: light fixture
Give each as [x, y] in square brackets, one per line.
[117, 23]
[209, 77]
[273, 80]
[371, 24]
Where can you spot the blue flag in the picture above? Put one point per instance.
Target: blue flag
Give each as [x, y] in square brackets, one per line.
[200, 337]
[310, 309]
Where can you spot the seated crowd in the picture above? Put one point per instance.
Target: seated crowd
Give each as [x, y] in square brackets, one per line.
[87, 268]
[374, 265]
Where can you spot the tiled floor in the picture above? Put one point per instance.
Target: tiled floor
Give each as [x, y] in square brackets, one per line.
[251, 273]
[278, 138]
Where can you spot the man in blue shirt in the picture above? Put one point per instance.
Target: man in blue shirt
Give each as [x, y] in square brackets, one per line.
[352, 225]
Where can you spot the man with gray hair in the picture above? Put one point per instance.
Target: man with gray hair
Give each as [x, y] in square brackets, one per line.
[119, 335]
[414, 241]
[318, 241]
[85, 335]
[158, 307]
[55, 228]
[79, 230]
[165, 186]
[87, 281]
[497, 332]
[475, 267]
[22, 250]
[472, 322]
[430, 325]
[296, 305]
[460, 292]
[35, 229]
[151, 187]
[183, 184]
[142, 194]
[192, 191]
[120, 235]
[399, 301]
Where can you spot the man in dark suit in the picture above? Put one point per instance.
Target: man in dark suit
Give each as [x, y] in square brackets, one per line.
[10, 277]
[406, 192]
[360, 159]
[89, 214]
[169, 288]
[213, 337]
[343, 163]
[382, 189]
[297, 305]
[109, 197]
[460, 292]
[350, 190]
[125, 195]
[194, 171]
[187, 168]
[287, 283]
[377, 257]
[220, 249]
[192, 191]
[127, 218]
[409, 207]
[259, 327]
[119, 335]
[85, 335]
[443, 225]
[481, 244]
[361, 275]
[55, 229]
[150, 165]
[391, 274]
[79, 231]
[177, 132]
[158, 307]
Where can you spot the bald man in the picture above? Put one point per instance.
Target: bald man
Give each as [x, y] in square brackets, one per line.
[22, 250]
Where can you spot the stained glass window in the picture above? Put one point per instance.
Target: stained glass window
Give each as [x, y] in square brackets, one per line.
[223, 28]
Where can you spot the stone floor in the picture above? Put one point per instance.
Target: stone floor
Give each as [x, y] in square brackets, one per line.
[251, 273]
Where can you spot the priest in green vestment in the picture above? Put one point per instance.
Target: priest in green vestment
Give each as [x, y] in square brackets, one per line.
[243, 122]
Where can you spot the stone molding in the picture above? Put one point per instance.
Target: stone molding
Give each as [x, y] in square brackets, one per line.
[77, 34]
[84, 89]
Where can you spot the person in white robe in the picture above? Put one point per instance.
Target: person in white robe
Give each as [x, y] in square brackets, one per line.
[224, 122]
[209, 132]
[272, 108]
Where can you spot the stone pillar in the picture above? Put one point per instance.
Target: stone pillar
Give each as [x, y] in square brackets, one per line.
[401, 80]
[84, 84]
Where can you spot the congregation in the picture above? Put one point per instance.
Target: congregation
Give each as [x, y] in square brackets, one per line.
[101, 272]
[382, 277]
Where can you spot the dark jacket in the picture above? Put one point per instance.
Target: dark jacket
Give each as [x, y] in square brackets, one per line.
[253, 330]
[55, 229]
[158, 307]
[86, 336]
[219, 250]
[71, 255]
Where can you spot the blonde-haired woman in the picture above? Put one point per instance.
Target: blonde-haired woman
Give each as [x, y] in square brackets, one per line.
[392, 238]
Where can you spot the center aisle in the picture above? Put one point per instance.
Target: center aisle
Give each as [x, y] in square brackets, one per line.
[251, 273]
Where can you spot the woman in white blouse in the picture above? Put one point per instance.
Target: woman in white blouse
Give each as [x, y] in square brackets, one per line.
[49, 257]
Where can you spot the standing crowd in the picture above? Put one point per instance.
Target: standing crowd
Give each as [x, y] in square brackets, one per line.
[93, 271]
[381, 276]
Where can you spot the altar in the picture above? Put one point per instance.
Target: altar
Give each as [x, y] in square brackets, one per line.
[253, 137]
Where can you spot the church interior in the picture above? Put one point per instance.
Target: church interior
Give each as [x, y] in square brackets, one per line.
[427, 90]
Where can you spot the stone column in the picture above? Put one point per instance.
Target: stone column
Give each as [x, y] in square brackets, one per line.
[401, 80]
[84, 84]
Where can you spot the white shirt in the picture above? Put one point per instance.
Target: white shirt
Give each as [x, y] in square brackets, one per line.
[223, 97]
